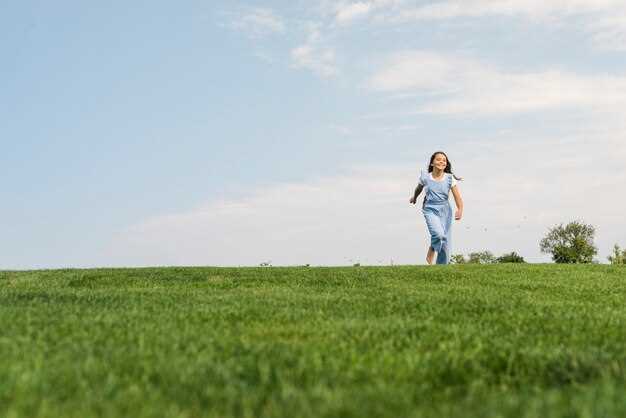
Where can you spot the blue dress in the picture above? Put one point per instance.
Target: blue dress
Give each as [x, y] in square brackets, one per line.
[438, 213]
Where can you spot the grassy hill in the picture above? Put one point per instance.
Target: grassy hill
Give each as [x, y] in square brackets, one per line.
[453, 341]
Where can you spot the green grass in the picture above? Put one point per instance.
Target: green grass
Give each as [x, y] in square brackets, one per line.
[453, 341]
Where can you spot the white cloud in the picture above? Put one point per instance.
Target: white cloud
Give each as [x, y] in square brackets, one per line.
[343, 12]
[258, 22]
[320, 61]
[349, 12]
[609, 32]
[465, 86]
[516, 187]
[288, 224]
[396, 11]
[530, 8]
[604, 20]
[313, 55]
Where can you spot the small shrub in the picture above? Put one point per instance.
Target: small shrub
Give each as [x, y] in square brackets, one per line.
[512, 257]
[457, 259]
[486, 257]
[482, 257]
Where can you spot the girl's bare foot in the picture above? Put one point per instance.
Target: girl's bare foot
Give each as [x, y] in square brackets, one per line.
[430, 255]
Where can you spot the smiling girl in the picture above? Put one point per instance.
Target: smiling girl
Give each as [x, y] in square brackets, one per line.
[438, 182]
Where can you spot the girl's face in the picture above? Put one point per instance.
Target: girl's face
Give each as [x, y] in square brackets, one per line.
[440, 162]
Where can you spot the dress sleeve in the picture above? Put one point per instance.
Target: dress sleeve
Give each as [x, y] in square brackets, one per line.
[453, 181]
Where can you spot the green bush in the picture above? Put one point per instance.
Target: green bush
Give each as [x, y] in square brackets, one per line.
[486, 257]
[457, 259]
[512, 257]
[479, 257]
[482, 257]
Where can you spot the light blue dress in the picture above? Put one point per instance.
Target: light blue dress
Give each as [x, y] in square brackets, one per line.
[438, 213]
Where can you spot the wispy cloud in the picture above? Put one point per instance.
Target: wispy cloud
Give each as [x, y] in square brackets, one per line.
[314, 55]
[346, 12]
[397, 11]
[609, 32]
[258, 22]
[526, 8]
[466, 86]
[286, 223]
[349, 12]
[603, 20]
[320, 61]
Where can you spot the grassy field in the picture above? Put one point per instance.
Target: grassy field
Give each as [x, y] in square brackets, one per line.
[440, 341]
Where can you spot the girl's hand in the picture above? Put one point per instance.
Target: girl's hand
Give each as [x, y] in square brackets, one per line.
[458, 215]
[412, 200]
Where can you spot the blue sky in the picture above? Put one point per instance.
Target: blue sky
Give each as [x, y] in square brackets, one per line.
[233, 133]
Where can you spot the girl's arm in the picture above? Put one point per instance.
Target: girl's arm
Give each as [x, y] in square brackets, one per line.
[459, 203]
[417, 192]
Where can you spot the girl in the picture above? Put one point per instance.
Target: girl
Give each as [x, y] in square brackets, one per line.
[438, 182]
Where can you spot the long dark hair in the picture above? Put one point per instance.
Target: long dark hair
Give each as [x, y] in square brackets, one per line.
[448, 168]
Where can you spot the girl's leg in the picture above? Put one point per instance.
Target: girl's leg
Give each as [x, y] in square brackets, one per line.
[443, 255]
[436, 230]
[430, 255]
